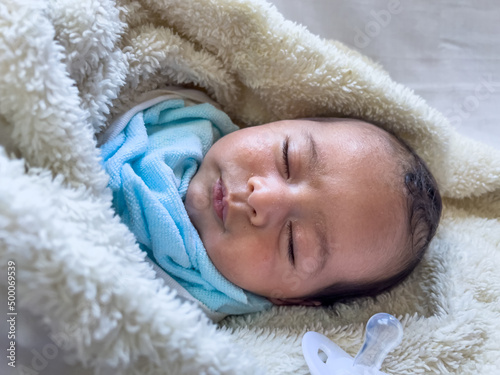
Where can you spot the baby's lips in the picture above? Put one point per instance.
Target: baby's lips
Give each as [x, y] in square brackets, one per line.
[218, 199]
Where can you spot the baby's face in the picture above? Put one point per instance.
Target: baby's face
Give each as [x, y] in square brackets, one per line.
[288, 208]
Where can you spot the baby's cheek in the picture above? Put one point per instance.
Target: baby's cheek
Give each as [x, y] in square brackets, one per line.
[260, 264]
[264, 260]
[249, 264]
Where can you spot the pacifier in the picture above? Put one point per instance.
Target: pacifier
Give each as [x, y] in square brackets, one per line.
[383, 333]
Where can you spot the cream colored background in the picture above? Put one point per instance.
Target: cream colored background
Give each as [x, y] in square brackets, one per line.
[444, 50]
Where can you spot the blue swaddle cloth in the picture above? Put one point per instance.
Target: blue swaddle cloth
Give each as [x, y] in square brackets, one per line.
[150, 163]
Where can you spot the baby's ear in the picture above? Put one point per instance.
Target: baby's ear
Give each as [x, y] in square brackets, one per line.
[293, 302]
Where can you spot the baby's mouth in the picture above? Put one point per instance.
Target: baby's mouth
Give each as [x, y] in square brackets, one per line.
[219, 203]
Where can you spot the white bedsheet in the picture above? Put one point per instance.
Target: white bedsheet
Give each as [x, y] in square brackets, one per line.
[447, 51]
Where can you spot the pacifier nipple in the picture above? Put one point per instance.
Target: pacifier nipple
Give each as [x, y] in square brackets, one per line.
[383, 333]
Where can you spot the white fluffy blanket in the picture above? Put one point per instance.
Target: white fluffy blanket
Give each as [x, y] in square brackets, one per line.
[66, 66]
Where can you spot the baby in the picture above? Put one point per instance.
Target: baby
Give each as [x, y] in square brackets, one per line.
[307, 211]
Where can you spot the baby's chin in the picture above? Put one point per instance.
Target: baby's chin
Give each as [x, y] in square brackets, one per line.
[214, 256]
[196, 200]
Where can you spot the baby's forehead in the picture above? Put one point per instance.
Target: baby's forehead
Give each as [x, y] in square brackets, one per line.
[342, 127]
[363, 136]
[331, 122]
[341, 121]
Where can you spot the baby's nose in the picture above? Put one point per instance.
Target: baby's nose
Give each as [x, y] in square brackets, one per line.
[268, 199]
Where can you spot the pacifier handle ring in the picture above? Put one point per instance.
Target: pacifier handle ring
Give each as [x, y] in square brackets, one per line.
[312, 343]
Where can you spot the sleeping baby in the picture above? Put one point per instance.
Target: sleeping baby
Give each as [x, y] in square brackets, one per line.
[294, 212]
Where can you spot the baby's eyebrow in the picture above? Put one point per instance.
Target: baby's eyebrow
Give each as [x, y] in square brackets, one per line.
[315, 167]
[313, 160]
[324, 250]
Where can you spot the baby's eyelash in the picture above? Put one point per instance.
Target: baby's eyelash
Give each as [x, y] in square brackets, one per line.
[285, 157]
[291, 253]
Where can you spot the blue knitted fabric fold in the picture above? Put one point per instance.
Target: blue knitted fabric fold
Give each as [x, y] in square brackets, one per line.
[150, 164]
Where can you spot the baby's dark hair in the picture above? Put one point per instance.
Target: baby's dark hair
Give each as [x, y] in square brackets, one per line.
[424, 206]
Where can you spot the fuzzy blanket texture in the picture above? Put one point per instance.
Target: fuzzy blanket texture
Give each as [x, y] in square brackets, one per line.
[68, 66]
